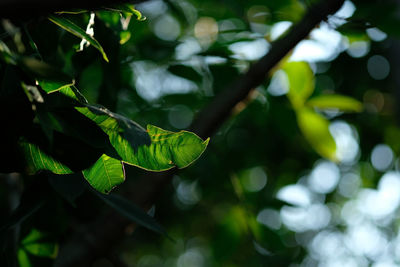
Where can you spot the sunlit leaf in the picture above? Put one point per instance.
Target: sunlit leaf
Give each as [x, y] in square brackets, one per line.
[53, 86]
[341, 102]
[74, 93]
[36, 243]
[127, 8]
[167, 150]
[124, 37]
[301, 82]
[73, 124]
[154, 149]
[37, 160]
[121, 130]
[77, 31]
[132, 212]
[105, 174]
[59, 115]
[315, 129]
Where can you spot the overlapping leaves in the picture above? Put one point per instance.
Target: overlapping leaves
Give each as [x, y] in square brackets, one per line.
[36, 244]
[79, 32]
[65, 111]
[70, 26]
[313, 125]
[153, 149]
[69, 140]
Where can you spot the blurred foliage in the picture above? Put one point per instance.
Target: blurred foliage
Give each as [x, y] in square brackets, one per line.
[304, 173]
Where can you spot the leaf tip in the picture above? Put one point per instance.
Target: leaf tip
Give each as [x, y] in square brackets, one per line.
[106, 58]
[205, 142]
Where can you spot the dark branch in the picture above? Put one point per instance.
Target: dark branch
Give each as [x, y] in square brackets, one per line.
[219, 110]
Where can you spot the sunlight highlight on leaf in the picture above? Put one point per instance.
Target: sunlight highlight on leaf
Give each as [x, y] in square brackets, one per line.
[53, 86]
[127, 8]
[341, 102]
[154, 150]
[105, 174]
[167, 150]
[121, 130]
[37, 159]
[301, 82]
[315, 129]
[77, 31]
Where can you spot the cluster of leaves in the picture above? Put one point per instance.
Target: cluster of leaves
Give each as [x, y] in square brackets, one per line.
[51, 129]
[314, 126]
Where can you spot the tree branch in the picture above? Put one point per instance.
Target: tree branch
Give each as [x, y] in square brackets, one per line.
[96, 240]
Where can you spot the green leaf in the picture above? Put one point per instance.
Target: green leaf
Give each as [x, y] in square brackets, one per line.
[315, 129]
[132, 212]
[53, 86]
[47, 250]
[23, 259]
[124, 37]
[74, 93]
[77, 31]
[105, 174]
[341, 102]
[167, 150]
[154, 150]
[33, 236]
[121, 130]
[301, 82]
[37, 160]
[36, 244]
[126, 8]
[58, 114]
